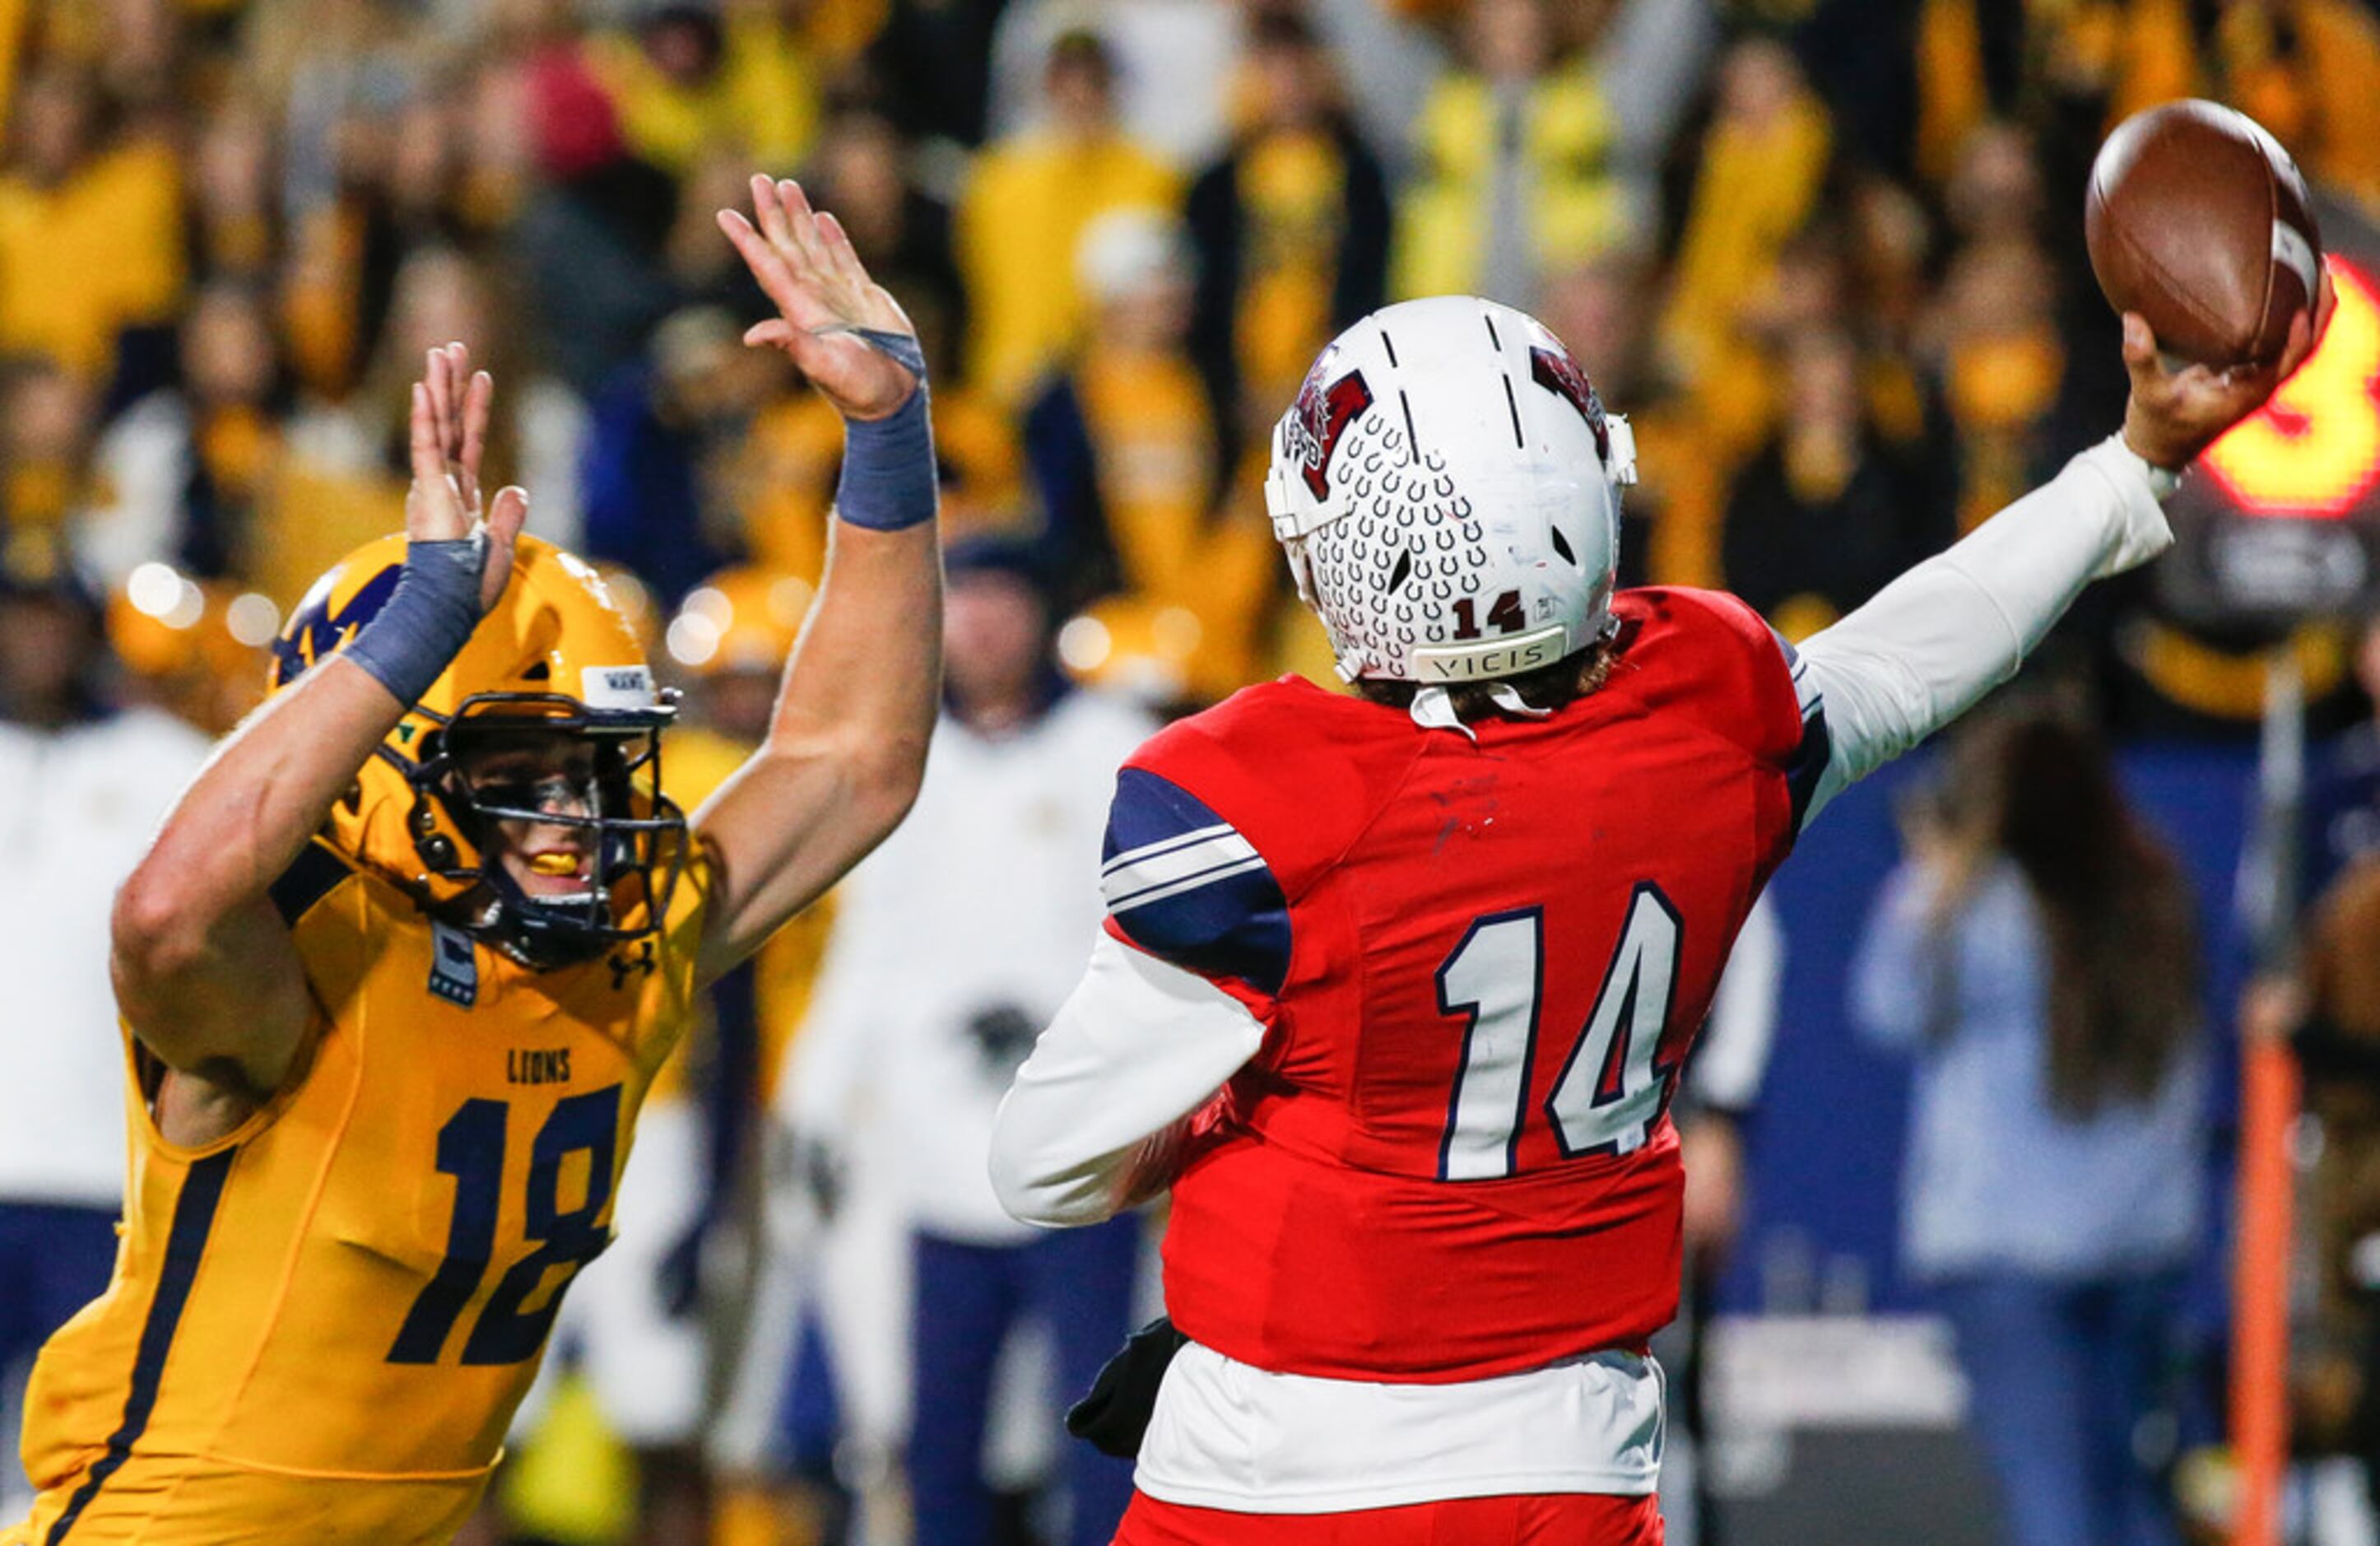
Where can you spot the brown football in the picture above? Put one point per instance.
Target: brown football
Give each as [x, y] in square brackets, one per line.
[2198, 220]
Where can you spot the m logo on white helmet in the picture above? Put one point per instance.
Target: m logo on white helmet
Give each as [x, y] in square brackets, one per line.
[1320, 416]
[1552, 367]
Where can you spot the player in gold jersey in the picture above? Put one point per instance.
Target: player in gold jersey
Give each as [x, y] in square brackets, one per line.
[402, 963]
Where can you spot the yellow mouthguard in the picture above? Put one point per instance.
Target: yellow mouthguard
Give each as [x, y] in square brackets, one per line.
[554, 864]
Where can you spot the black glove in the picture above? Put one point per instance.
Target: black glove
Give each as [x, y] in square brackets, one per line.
[818, 1169]
[1004, 1035]
[1116, 1413]
[679, 1277]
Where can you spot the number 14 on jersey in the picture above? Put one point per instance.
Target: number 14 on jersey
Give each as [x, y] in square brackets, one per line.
[1611, 1088]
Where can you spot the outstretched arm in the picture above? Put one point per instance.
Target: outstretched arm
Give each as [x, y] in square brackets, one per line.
[847, 745]
[1931, 643]
[1098, 1114]
[1100, 1117]
[203, 965]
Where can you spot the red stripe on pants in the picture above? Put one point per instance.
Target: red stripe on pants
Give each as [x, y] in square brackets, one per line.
[1556, 1519]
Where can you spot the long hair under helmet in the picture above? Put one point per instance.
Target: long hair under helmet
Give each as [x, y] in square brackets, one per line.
[1447, 488]
[555, 654]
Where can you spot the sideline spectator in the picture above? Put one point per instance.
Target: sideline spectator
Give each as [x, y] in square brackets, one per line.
[2035, 955]
[953, 944]
[1716, 1106]
[82, 788]
[2329, 1010]
[2342, 800]
[654, 1329]
[2305, 71]
[771, 1445]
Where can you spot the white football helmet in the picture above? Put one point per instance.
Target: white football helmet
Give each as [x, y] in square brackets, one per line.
[1447, 487]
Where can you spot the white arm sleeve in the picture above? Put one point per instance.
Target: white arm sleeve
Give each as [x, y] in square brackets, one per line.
[1139, 1045]
[1936, 641]
[1731, 1055]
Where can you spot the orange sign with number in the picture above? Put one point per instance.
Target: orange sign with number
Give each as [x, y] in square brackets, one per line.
[2315, 449]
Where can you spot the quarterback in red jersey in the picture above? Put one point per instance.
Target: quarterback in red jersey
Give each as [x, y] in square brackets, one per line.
[1394, 989]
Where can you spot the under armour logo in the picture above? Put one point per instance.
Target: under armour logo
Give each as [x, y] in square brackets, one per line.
[623, 963]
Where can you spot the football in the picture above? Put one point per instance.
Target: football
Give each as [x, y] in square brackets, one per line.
[2198, 220]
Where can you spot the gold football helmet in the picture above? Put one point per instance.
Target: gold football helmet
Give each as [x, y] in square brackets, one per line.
[555, 654]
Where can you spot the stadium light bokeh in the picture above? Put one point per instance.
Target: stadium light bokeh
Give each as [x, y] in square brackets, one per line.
[2314, 451]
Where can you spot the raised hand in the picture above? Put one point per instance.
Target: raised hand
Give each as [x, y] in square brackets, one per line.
[449, 426]
[2174, 415]
[805, 263]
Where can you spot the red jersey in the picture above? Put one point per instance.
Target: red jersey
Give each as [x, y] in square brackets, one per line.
[1480, 964]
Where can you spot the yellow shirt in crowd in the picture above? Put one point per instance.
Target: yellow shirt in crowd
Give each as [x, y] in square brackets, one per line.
[98, 253]
[1024, 209]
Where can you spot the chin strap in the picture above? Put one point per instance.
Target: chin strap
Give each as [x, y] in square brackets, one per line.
[1507, 697]
[1433, 708]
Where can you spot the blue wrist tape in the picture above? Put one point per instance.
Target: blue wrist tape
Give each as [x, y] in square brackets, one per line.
[426, 619]
[889, 480]
[902, 349]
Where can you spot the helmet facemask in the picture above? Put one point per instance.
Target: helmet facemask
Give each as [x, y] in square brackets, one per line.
[555, 656]
[634, 839]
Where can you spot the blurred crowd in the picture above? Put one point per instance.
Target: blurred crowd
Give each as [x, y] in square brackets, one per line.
[1827, 253]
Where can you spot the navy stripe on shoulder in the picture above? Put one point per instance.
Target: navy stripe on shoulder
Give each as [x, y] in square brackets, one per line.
[185, 1244]
[1184, 884]
[1807, 764]
[312, 875]
[1809, 761]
